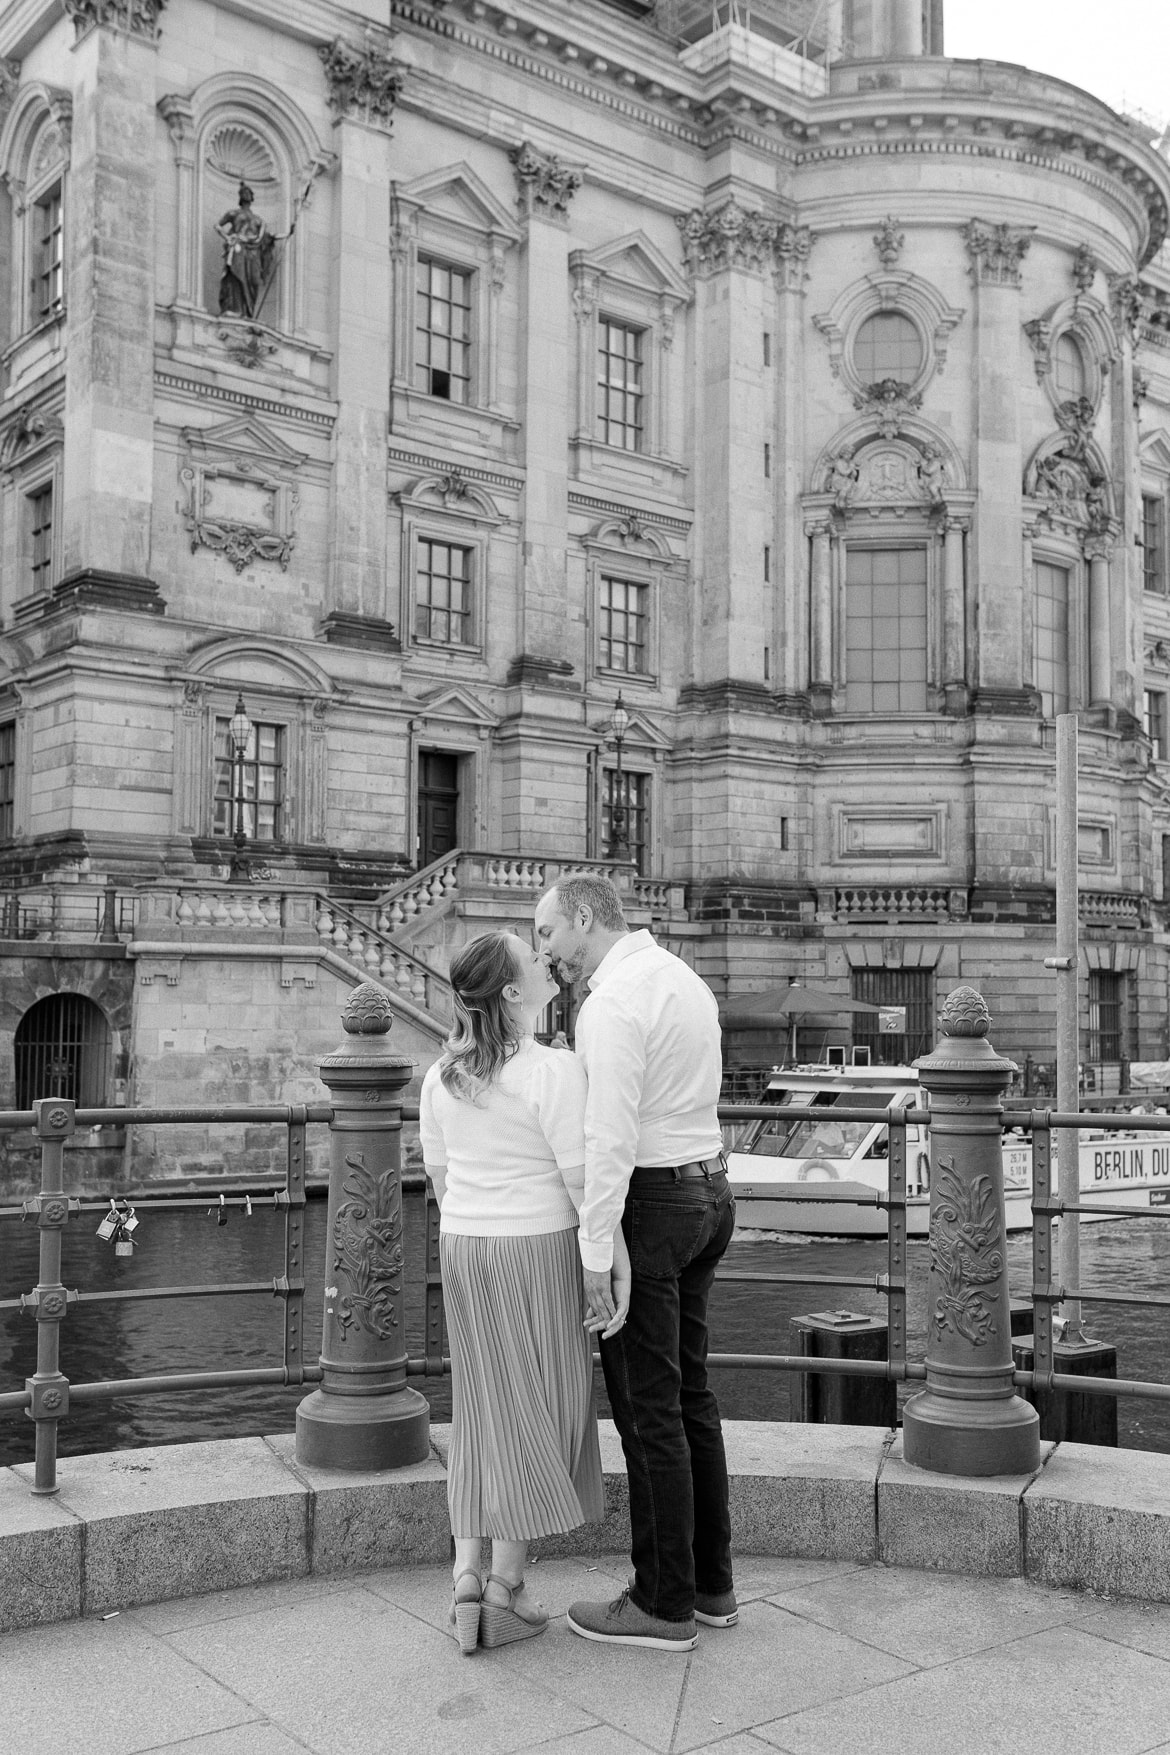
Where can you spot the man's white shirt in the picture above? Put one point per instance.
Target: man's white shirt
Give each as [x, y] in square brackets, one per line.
[648, 1035]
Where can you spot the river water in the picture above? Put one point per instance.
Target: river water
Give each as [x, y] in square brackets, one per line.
[120, 1340]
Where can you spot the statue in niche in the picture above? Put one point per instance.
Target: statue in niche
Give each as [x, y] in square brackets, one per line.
[843, 477]
[248, 250]
[932, 473]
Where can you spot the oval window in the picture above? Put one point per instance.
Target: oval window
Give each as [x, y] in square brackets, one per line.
[1068, 369]
[887, 346]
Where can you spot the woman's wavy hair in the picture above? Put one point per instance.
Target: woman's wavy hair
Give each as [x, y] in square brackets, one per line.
[484, 1036]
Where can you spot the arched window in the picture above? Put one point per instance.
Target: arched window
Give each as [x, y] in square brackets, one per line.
[887, 346]
[1068, 369]
[62, 1049]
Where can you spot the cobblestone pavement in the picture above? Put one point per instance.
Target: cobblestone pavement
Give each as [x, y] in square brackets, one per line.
[829, 1658]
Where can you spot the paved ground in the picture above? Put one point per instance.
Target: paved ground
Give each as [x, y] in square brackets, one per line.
[829, 1659]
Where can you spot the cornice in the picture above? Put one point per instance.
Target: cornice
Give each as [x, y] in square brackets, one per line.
[201, 391]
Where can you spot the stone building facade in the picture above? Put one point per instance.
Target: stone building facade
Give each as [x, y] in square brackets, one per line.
[427, 376]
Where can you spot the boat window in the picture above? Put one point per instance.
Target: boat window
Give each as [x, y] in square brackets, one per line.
[821, 1136]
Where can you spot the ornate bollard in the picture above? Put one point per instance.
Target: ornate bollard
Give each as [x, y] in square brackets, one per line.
[968, 1420]
[364, 1416]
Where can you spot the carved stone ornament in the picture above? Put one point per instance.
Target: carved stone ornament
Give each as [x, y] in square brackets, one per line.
[367, 1250]
[1039, 333]
[31, 428]
[368, 1011]
[137, 17]
[249, 344]
[1141, 388]
[9, 80]
[546, 186]
[241, 493]
[964, 1013]
[842, 478]
[453, 486]
[1125, 301]
[365, 82]
[997, 251]
[1076, 418]
[732, 236]
[1084, 268]
[890, 402]
[966, 1250]
[890, 240]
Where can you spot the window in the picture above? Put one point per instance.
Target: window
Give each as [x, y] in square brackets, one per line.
[1106, 1027]
[442, 605]
[1050, 646]
[1153, 542]
[619, 415]
[887, 346]
[40, 532]
[443, 331]
[1156, 723]
[912, 988]
[1068, 369]
[885, 630]
[62, 1047]
[624, 626]
[7, 779]
[633, 796]
[260, 784]
[48, 256]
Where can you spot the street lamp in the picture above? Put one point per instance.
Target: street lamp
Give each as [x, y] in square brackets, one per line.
[239, 735]
[619, 847]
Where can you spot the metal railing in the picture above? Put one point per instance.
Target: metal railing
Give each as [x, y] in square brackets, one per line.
[48, 1394]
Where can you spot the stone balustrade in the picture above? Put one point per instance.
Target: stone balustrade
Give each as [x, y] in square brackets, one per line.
[899, 902]
[368, 948]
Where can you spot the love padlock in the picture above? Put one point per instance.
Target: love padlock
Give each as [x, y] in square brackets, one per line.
[123, 1242]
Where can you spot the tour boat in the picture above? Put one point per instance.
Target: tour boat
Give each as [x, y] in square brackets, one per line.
[776, 1166]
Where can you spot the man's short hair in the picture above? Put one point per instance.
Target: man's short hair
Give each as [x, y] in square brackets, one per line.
[595, 893]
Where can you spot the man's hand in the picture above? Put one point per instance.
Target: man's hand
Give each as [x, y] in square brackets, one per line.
[607, 1294]
[599, 1303]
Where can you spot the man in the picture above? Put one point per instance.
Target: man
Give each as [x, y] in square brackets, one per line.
[648, 1034]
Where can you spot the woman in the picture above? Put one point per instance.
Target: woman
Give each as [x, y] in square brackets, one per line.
[503, 1137]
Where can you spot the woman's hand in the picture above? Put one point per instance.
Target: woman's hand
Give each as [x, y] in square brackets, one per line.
[621, 1280]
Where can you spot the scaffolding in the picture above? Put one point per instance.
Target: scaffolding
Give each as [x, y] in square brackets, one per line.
[803, 26]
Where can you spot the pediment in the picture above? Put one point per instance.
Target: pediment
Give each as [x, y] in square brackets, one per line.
[244, 436]
[238, 663]
[457, 194]
[1155, 451]
[456, 706]
[641, 733]
[636, 261]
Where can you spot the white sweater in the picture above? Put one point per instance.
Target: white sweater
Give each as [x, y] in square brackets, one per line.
[511, 1162]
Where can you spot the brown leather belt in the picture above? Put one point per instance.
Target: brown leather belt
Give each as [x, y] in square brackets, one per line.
[705, 1167]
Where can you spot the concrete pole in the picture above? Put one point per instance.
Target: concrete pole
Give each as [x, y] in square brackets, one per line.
[968, 1420]
[364, 1416]
[1067, 1008]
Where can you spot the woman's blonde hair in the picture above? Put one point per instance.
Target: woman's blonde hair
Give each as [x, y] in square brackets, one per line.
[485, 1035]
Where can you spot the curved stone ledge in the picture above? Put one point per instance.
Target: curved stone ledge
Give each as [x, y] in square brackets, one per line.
[141, 1526]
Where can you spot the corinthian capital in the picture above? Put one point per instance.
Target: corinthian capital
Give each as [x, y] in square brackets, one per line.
[545, 185]
[996, 251]
[364, 82]
[138, 18]
[732, 236]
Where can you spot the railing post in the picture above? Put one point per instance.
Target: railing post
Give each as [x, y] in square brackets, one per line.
[968, 1420]
[364, 1416]
[48, 1389]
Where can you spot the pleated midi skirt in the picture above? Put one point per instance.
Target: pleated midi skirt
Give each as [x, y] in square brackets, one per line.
[524, 1459]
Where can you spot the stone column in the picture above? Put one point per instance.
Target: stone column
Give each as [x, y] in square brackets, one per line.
[364, 1416]
[546, 188]
[996, 253]
[905, 28]
[1097, 553]
[954, 619]
[821, 669]
[731, 253]
[968, 1420]
[110, 298]
[363, 88]
[790, 628]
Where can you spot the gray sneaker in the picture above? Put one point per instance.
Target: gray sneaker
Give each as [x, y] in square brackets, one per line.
[624, 1623]
[713, 1610]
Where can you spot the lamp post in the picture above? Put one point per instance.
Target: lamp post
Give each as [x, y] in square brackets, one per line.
[619, 847]
[239, 735]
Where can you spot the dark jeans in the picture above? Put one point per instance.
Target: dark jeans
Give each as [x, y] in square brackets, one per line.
[656, 1376]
